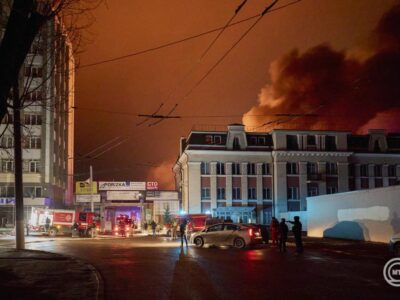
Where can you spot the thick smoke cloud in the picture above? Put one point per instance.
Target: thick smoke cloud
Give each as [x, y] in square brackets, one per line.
[346, 91]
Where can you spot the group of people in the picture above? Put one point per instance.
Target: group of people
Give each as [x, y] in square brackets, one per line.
[280, 230]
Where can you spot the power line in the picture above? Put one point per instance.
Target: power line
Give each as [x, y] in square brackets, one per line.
[117, 58]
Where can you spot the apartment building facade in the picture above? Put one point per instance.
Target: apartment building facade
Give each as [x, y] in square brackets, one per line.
[254, 176]
[46, 87]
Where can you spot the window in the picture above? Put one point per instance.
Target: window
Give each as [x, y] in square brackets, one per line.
[331, 168]
[7, 191]
[251, 169]
[265, 169]
[33, 191]
[236, 193]
[34, 166]
[218, 227]
[220, 168]
[231, 227]
[7, 165]
[7, 142]
[8, 119]
[205, 194]
[33, 142]
[220, 193]
[33, 71]
[331, 190]
[351, 170]
[312, 168]
[205, 168]
[205, 207]
[209, 139]
[392, 171]
[312, 191]
[261, 140]
[253, 140]
[236, 144]
[33, 119]
[267, 194]
[311, 141]
[291, 141]
[364, 170]
[293, 205]
[252, 193]
[330, 143]
[293, 193]
[34, 96]
[291, 168]
[217, 140]
[378, 170]
[236, 169]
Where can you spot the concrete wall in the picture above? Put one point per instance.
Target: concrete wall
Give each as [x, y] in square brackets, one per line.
[370, 215]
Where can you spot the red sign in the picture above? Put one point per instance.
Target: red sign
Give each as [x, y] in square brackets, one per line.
[63, 217]
[151, 186]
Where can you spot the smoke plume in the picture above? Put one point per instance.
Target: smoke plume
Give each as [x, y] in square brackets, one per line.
[339, 90]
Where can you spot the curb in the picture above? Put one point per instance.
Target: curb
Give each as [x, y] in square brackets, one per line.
[99, 278]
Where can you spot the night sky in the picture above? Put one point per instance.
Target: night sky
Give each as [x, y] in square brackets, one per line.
[271, 66]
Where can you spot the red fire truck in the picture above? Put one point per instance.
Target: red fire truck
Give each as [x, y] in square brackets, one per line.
[123, 227]
[196, 222]
[62, 221]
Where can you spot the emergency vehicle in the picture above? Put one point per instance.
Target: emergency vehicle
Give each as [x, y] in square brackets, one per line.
[123, 227]
[63, 221]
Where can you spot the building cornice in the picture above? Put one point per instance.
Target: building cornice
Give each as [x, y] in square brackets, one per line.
[228, 152]
[310, 154]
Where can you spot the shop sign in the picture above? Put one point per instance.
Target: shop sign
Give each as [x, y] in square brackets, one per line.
[87, 198]
[83, 188]
[123, 195]
[160, 195]
[121, 186]
[27, 201]
[152, 185]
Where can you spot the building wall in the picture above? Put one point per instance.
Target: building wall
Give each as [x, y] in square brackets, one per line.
[370, 215]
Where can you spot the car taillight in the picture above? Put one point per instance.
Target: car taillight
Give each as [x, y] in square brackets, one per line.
[126, 228]
[250, 232]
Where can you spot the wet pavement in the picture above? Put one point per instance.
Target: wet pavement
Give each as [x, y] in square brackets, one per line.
[157, 268]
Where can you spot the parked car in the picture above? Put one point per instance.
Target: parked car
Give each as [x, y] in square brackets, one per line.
[394, 244]
[264, 229]
[227, 234]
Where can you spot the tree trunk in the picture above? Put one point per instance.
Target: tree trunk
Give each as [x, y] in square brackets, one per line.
[19, 196]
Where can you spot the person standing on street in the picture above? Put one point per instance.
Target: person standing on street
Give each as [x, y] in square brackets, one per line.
[153, 227]
[174, 229]
[296, 229]
[274, 231]
[182, 230]
[47, 226]
[283, 233]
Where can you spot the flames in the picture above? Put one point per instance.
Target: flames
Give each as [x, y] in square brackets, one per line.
[353, 90]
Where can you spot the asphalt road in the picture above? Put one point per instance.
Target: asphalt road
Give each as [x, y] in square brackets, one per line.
[157, 268]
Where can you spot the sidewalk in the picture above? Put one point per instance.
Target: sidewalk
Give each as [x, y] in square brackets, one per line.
[29, 274]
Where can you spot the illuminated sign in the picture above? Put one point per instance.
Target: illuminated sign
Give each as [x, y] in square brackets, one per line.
[152, 185]
[123, 196]
[121, 186]
[83, 188]
[87, 198]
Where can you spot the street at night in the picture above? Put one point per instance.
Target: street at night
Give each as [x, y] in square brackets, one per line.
[157, 268]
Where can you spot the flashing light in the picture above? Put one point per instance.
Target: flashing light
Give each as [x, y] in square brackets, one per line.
[182, 212]
[58, 226]
[208, 212]
[127, 228]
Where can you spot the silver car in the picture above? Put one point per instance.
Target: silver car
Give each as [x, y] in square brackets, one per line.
[236, 235]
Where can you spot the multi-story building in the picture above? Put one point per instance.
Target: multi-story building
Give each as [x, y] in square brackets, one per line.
[46, 87]
[254, 176]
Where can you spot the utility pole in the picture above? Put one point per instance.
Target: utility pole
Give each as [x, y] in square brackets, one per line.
[19, 196]
[91, 189]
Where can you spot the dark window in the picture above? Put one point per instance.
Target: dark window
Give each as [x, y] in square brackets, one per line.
[236, 169]
[252, 193]
[265, 169]
[293, 193]
[312, 168]
[312, 190]
[364, 183]
[209, 139]
[220, 193]
[251, 169]
[236, 144]
[330, 143]
[205, 193]
[217, 140]
[364, 170]
[331, 168]
[378, 171]
[392, 170]
[236, 193]
[293, 205]
[261, 140]
[311, 140]
[205, 168]
[378, 182]
[267, 194]
[291, 168]
[291, 141]
[351, 170]
[220, 168]
[218, 227]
